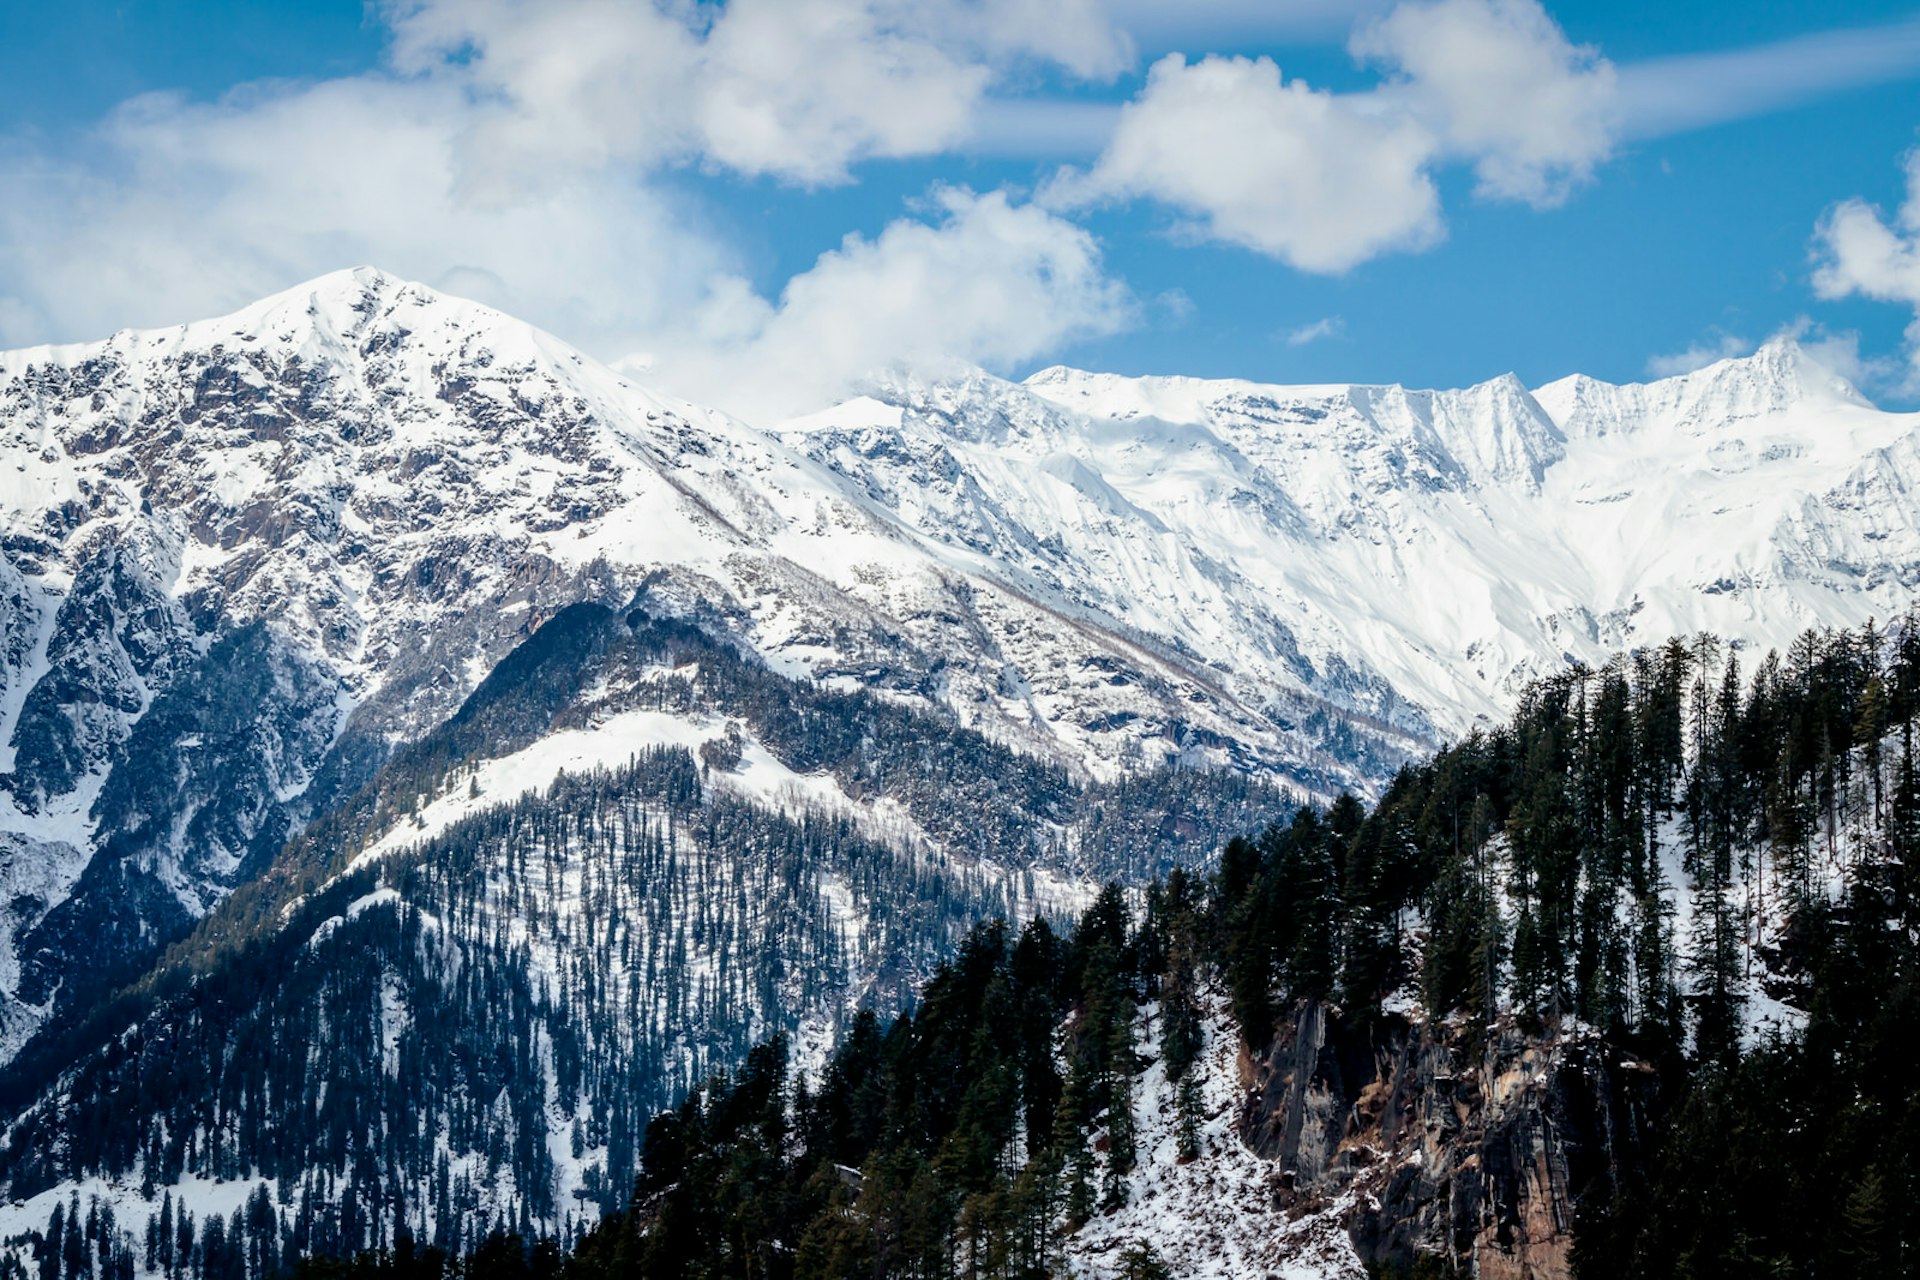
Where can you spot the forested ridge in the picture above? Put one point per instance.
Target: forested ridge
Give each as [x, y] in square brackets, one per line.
[468, 1034]
[1536, 859]
[1708, 861]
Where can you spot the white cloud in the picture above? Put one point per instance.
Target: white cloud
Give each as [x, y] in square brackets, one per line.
[802, 88]
[511, 152]
[1325, 327]
[553, 90]
[1500, 82]
[519, 151]
[1858, 251]
[1662, 96]
[1840, 353]
[1698, 356]
[1166, 28]
[989, 280]
[1316, 180]
[178, 210]
[799, 90]
[1084, 36]
[1326, 181]
[1174, 306]
[1650, 98]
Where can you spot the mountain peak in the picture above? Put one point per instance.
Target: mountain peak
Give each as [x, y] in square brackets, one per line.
[340, 318]
[345, 301]
[365, 278]
[1783, 359]
[1780, 376]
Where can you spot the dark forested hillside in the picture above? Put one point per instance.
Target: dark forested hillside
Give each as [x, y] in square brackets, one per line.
[1622, 985]
[465, 1030]
[1672, 911]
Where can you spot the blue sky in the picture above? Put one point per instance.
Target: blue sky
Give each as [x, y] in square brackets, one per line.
[168, 159]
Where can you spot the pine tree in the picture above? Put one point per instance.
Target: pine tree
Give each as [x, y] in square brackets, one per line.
[55, 1242]
[1120, 1122]
[183, 1244]
[76, 1258]
[1869, 730]
[1903, 827]
[1187, 1116]
[165, 1237]
[1140, 1261]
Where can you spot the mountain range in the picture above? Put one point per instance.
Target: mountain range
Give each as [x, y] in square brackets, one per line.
[300, 605]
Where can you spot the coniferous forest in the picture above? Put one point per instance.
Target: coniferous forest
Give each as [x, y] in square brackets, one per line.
[1700, 862]
[1550, 860]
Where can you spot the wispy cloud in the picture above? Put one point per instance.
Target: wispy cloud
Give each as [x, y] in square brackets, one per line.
[1699, 355]
[1159, 27]
[1325, 327]
[1041, 128]
[1654, 97]
[1662, 96]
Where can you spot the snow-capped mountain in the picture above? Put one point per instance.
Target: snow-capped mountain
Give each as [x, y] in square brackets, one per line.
[241, 560]
[445, 691]
[1413, 557]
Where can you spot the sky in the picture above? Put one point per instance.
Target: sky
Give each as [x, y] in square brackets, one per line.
[758, 203]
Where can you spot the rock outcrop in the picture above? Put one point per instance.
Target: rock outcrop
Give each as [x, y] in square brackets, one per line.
[1477, 1151]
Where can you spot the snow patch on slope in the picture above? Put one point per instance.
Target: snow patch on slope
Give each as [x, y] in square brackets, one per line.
[613, 743]
[1218, 1217]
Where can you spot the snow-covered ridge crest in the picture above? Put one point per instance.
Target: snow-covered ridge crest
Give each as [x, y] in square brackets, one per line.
[1105, 572]
[1414, 555]
[1777, 378]
[360, 415]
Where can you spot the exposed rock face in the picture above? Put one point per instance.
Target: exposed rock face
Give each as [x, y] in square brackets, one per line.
[117, 636]
[1476, 1153]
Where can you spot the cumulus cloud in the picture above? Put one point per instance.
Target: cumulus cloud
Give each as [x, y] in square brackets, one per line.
[799, 90]
[1319, 181]
[1501, 83]
[518, 153]
[546, 92]
[998, 281]
[1857, 250]
[177, 210]
[1326, 181]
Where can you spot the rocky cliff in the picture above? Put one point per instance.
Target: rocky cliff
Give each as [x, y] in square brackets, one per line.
[1475, 1150]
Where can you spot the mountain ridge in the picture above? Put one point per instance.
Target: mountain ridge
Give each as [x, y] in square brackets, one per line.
[373, 666]
[1310, 583]
[399, 488]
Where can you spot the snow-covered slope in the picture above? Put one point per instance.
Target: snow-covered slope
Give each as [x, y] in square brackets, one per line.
[1413, 557]
[1226, 1213]
[241, 559]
